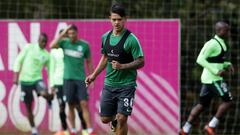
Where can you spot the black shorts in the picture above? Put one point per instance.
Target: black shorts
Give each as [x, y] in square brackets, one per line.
[27, 90]
[218, 88]
[59, 92]
[74, 91]
[117, 100]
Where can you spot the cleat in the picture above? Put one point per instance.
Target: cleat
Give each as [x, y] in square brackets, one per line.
[73, 133]
[182, 133]
[93, 133]
[114, 125]
[209, 130]
[84, 132]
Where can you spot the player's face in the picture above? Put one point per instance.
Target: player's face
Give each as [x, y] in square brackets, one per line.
[72, 34]
[117, 22]
[42, 41]
[226, 31]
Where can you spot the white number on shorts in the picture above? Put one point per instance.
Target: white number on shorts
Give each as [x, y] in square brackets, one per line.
[126, 102]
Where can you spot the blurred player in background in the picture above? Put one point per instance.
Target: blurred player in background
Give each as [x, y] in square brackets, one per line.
[28, 70]
[75, 91]
[56, 84]
[122, 55]
[213, 59]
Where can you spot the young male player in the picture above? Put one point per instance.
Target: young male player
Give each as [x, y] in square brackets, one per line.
[75, 52]
[122, 55]
[56, 84]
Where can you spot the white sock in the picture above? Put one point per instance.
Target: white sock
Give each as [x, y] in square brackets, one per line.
[187, 126]
[73, 130]
[34, 130]
[89, 130]
[213, 123]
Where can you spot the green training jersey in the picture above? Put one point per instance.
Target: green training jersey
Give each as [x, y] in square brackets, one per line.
[30, 63]
[210, 49]
[121, 78]
[74, 55]
[56, 67]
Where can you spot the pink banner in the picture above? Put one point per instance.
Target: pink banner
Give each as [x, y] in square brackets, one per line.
[157, 103]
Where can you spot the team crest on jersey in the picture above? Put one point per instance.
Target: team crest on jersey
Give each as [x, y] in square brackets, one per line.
[79, 48]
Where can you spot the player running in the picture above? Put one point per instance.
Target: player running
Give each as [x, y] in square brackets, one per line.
[212, 59]
[28, 70]
[122, 55]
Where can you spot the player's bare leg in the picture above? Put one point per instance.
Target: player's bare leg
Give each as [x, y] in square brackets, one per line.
[72, 117]
[222, 109]
[31, 118]
[195, 112]
[122, 127]
[86, 116]
[30, 114]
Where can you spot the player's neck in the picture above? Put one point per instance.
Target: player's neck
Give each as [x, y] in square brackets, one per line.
[74, 40]
[117, 33]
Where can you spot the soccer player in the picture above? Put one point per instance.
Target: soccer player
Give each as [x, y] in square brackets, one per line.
[56, 84]
[28, 70]
[213, 60]
[75, 92]
[122, 55]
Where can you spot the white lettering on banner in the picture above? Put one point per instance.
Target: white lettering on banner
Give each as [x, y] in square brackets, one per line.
[3, 109]
[60, 26]
[35, 32]
[16, 39]
[1, 64]
[14, 108]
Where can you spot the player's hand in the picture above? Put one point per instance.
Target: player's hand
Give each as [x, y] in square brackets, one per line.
[117, 65]
[221, 72]
[231, 69]
[89, 79]
[65, 30]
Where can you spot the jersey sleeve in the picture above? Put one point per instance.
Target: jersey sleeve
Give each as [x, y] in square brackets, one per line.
[206, 51]
[133, 46]
[20, 58]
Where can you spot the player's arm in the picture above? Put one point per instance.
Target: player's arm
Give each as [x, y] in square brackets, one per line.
[100, 67]
[137, 53]
[89, 62]
[136, 64]
[89, 65]
[206, 52]
[18, 63]
[55, 42]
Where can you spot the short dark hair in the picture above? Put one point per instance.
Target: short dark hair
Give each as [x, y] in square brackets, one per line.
[73, 27]
[118, 9]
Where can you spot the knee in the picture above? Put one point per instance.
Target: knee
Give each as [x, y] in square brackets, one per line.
[106, 120]
[84, 105]
[71, 106]
[121, 119]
